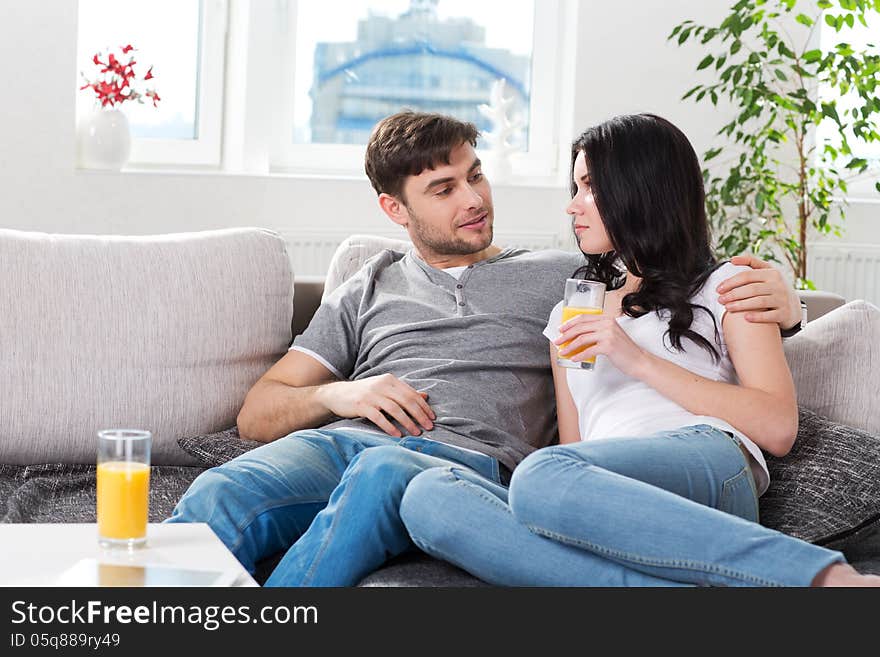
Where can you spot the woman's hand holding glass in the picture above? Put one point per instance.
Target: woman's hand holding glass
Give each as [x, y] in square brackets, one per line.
[602, 335]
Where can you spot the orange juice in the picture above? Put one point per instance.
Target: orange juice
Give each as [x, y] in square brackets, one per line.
[120, 575]
[569, 312]
[123, 499]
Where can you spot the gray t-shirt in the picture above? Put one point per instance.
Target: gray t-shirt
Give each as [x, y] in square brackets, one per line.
[474, 344]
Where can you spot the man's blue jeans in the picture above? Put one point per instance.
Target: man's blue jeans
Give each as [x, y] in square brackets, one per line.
[674, 509]
[329, 497]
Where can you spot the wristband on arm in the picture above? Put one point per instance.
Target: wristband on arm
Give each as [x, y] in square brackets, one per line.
[787, 333]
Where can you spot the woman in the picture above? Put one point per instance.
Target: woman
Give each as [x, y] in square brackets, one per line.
[659, 468]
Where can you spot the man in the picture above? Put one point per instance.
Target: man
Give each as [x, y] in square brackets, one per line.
[429, 358]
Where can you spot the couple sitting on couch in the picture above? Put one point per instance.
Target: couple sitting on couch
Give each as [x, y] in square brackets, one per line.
[399, 415]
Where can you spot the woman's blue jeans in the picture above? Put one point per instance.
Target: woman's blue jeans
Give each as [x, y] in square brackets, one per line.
[330, 498]
[673, 509]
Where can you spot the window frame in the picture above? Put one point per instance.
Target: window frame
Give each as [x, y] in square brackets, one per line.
[539, 162]
[206, 148]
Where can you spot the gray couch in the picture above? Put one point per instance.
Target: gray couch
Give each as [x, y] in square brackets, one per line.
[169, 333]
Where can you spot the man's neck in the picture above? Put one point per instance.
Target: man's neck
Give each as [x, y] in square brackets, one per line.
[441, 261]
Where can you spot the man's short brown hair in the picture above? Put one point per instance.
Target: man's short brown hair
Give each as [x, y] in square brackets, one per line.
[407, 143]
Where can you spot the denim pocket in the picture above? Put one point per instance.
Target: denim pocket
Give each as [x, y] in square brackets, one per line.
[738, 496]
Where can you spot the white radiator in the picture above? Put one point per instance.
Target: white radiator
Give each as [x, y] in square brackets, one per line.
[850, 270]
[310, 253]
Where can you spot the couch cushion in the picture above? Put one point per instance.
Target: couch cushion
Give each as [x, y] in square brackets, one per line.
[418, 569]
[828, 486]
[214, 449]
[166, 333]
[833, 361]
[861, 547]
[65, 492]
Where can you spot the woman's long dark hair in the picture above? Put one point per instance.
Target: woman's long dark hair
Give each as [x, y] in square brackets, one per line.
[648, 188]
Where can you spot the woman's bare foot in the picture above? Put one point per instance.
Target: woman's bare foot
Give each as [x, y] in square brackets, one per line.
[842, 574]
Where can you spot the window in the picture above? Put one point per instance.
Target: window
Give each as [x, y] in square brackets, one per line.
[349, 63]
[297, 86]
[183, 41]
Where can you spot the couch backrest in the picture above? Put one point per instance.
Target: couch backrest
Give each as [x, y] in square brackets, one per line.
[353, 252]
[820, 302]
[835, 361]
[308, 292]
[166, 333]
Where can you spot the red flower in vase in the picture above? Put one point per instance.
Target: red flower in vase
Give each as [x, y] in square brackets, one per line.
[116, 79]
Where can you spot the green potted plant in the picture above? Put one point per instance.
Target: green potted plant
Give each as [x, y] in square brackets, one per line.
[777, 182]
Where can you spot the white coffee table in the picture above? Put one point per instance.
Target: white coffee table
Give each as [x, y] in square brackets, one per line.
[69, 555]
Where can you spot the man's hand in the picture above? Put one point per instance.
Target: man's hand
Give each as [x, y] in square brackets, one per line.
[763, 291]
[377, 396]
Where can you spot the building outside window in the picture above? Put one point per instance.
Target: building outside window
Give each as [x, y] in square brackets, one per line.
[415, 59]
[351, 63]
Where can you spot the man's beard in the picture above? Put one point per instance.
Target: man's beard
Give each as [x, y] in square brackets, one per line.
[431, 239]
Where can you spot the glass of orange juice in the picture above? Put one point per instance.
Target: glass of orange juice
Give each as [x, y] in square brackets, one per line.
[581, 297]
[123, 487]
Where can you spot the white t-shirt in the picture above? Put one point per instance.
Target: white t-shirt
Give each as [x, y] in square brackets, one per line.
[455, 272]
[611, 404]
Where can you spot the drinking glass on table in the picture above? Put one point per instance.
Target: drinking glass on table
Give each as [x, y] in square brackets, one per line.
[123, 487]
[581, 297]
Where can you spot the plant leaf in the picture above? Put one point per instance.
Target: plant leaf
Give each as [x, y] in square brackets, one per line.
[829, 110]
[692, 92]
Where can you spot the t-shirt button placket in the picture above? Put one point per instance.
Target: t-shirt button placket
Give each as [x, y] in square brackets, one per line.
[459, 297]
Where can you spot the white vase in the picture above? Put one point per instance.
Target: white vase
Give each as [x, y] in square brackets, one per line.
[104, 140]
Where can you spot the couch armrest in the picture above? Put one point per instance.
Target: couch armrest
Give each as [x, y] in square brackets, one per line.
[307, 292]
[820, 302]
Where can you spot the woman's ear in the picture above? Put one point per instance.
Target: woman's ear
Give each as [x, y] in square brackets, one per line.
[394, 208]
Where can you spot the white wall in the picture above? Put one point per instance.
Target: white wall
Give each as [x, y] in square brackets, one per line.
[623, 64]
